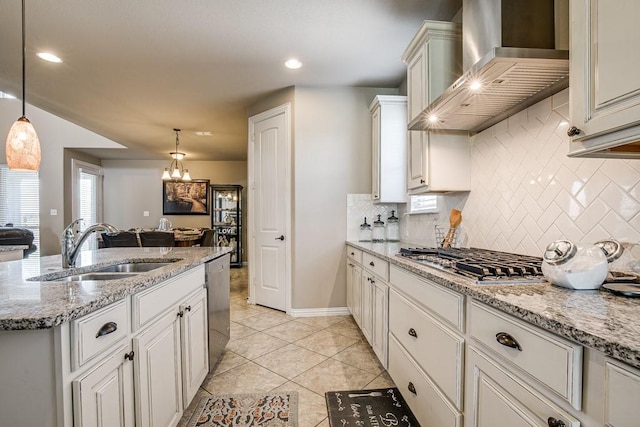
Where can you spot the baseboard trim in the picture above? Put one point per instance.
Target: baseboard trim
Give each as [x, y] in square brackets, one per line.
[317, 312]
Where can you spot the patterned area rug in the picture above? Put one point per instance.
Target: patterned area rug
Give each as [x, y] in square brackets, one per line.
[247, 410]
[369, 408]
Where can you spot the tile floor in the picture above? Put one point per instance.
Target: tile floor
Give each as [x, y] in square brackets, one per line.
[269, 350]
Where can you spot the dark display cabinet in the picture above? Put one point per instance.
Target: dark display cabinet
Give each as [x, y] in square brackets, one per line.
[226, 219]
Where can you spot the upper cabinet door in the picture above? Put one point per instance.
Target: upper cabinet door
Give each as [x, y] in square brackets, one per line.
[604, 83]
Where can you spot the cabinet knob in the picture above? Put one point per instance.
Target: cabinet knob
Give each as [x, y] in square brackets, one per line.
[180, 313]
[129, 356]
[353, 253]
[507, 340]
[552, 422]
[413, 333]
[422, 181]
[372, 264]
[412, 388]
[106, 329]
[573, 131]
[351, 265]
[188, 308]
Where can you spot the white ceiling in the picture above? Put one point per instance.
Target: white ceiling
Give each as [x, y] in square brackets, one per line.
[135, 69]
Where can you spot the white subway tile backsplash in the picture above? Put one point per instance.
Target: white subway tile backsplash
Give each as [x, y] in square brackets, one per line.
[526, 192]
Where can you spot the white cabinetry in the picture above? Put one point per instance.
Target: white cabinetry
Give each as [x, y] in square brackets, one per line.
[158, 373]
[367, 298]
[426, 347]
[622, 388]
[354, 283]
[497, 398]
[605, 84]
[436, 161]
[193, 333]
[375, 297]
[388, 148]
[104, 395]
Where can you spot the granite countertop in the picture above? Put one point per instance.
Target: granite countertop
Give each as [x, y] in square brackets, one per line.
[597, 319]
[39, 304]
[7, 248]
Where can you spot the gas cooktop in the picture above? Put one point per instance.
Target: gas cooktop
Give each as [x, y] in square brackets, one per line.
[482, 266]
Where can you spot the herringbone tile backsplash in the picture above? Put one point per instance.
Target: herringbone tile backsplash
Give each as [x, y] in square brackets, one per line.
[525, 191]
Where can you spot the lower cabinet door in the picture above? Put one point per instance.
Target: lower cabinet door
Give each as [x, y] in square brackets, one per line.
[104, 395]
[380, 330]
[498, 398]
[367, 307]
[354, 282]
[158, 382]
[195, 360]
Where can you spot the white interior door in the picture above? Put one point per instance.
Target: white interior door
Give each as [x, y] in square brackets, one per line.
[269, 208]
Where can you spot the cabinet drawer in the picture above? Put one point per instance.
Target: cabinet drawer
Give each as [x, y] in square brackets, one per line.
[98, 331]
[446, 304]
[354, 254]
[497, 397]
[547, 358]
[622, 388]
[153, 301]
[376, 265]
[428, 405]
[438, 350]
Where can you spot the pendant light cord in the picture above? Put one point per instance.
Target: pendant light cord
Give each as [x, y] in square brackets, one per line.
[24, 61]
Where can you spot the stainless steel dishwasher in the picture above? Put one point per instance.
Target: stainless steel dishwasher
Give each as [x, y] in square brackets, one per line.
[217, 280]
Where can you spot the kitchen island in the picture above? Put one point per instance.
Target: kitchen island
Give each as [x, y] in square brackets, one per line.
[70, 347]
[500, 354]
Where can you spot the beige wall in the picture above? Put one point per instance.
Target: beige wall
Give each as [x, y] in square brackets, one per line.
[332, 158]
[55, 135]
[133, 186]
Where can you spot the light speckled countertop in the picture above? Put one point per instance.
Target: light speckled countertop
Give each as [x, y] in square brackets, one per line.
[7, 248]
[28, 304]
[598, 319]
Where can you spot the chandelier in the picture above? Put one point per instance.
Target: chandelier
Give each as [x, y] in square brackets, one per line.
[176, 170]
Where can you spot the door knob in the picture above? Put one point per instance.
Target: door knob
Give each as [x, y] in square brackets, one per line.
[280, 238]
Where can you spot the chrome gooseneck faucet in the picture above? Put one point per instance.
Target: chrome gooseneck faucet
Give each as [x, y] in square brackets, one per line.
[72, 240]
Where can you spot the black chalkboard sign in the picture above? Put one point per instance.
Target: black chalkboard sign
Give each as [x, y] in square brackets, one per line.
[369, 408]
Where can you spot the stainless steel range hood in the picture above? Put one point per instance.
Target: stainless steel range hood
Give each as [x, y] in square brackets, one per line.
[514, 54]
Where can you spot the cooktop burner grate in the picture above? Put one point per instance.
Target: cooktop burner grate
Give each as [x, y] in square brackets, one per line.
[483, 266]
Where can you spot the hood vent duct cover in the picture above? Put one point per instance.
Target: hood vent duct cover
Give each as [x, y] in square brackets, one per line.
[518, 63]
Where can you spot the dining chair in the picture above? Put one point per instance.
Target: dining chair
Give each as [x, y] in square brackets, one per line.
[157, 238]
[208, 238]
[120, 239]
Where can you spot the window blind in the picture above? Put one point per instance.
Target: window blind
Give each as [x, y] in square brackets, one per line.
[20, 201]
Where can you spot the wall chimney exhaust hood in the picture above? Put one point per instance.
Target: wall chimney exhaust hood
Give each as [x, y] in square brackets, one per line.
[515, 53]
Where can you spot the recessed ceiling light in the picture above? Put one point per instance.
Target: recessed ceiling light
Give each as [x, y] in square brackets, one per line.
[204, 133]
[293, 64]
[50, 57]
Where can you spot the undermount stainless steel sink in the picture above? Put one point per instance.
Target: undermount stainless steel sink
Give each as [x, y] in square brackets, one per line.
[93, 276]
[133, 267]
[111, 272]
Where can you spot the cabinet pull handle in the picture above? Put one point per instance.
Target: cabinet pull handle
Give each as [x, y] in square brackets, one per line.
[412, 388]
[106, 329]
[180, 313]
[552, 422]
[413, 333]
[188, 308]
[507, 340]
[372, 264]
[129, 356]
[573, 131]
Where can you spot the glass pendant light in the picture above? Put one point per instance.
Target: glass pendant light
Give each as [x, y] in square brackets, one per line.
[176, 170]
[23, 146]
